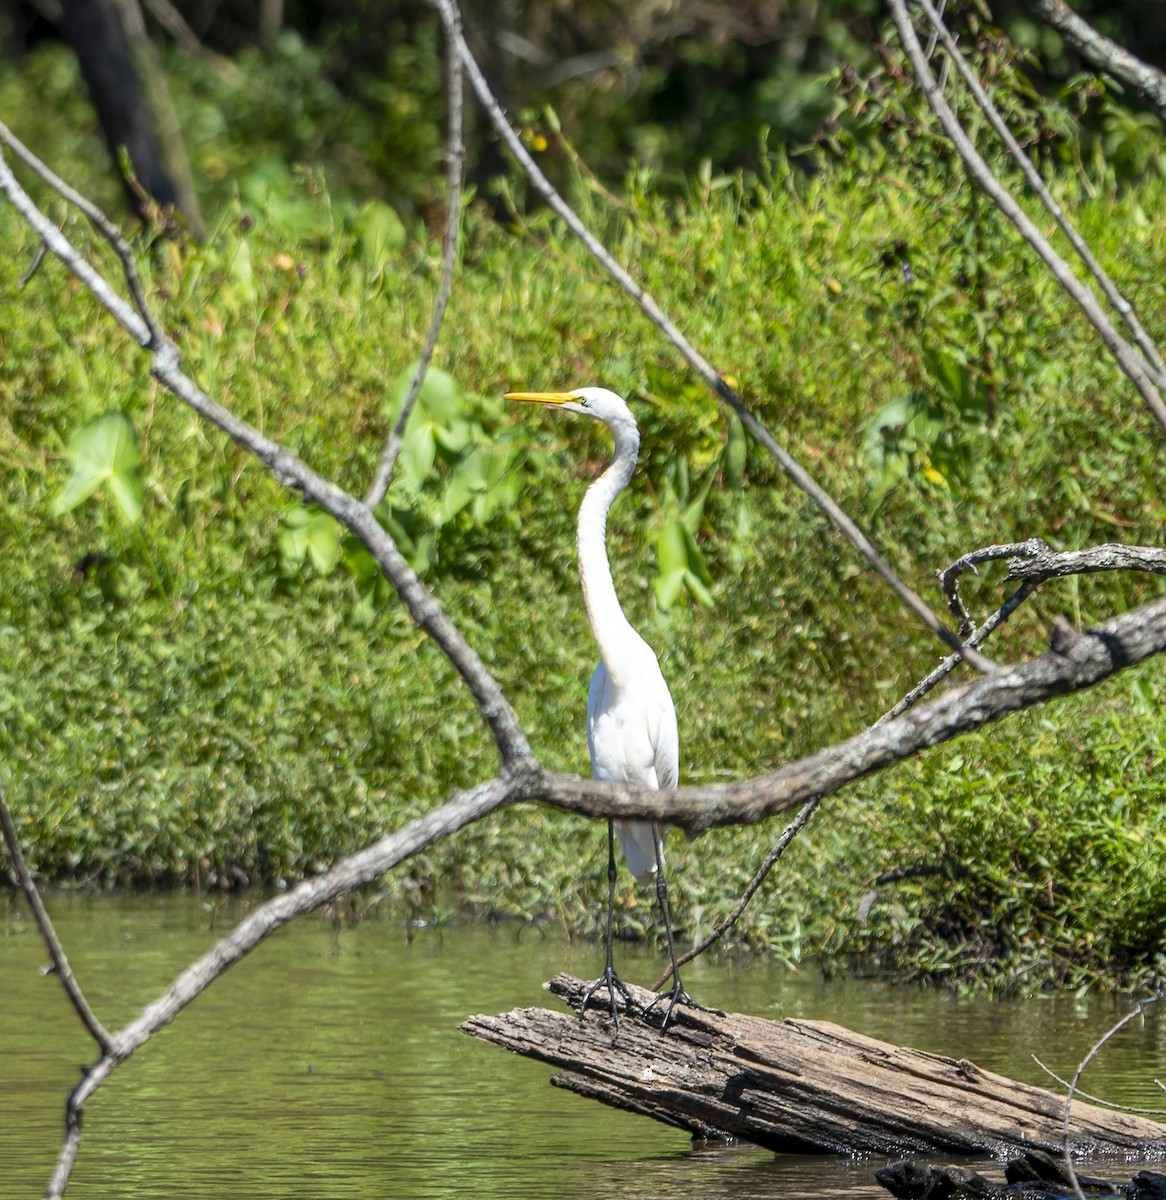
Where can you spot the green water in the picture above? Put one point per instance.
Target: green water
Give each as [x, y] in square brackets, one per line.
[328, 1064]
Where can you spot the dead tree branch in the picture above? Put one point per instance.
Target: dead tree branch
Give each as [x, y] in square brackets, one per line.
[455, 170]
[1076, 661]
[647, 304]
[1033, 178]
[1106, 55]
[1129, 361]
[23, 879]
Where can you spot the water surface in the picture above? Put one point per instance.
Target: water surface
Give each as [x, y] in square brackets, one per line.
[328, 1064]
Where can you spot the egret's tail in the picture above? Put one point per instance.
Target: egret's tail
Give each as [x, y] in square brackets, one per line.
[639, 848]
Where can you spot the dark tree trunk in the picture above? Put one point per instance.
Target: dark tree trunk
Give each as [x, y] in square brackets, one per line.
[95, 31]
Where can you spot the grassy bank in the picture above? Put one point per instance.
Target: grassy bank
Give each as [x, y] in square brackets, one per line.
[189, 699]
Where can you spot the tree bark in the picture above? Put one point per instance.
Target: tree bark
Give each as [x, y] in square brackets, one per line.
[797, 1086]
[1104, 53]
[128, 107]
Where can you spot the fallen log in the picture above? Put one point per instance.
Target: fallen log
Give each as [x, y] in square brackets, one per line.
[798, 1086]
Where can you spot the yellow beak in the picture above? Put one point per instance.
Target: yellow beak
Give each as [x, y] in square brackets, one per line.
[540, 397]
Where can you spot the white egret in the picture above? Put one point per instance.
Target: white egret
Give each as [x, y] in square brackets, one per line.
[631, 720]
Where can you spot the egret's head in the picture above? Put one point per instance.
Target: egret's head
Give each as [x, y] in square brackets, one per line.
[595, 402]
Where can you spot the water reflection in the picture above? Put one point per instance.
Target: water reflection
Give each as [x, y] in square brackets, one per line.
[328, 1064]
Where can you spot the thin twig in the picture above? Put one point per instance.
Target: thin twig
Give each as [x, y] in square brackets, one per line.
[1120, 303]
[23, 879]
[1130, 1108]
[771, 859]
[796, 472]
[949, 664]
[1066, 1149]
[455, 162]
[1130, 362]
[100, 222]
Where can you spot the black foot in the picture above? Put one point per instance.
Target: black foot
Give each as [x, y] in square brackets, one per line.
[612, 982]
[678, 996]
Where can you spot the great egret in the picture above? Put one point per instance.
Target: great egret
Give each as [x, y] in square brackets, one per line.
[631, 720]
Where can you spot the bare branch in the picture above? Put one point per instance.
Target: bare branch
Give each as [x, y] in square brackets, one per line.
[1129, 361]
[796, 472]
[458, 812]
[23, 879]
[771, 859]
[1077, 660]
[293, 473]
[950, 577]
[1092, 1099]
[1105, 54]
[1066, 1149]
[1036, 562]
[455, 161]
[1033, 177]
[98, 220]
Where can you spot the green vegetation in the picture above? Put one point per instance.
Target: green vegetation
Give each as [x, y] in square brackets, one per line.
[215, 690]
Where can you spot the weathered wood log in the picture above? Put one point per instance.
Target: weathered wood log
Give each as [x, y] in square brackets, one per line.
[801, 1086]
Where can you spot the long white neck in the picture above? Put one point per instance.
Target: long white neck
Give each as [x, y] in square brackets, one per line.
[617, 639]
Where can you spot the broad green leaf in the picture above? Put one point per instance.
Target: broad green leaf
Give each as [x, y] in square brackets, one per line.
[381, 232]
[699, 589]
[104, 451]
[440, 396]
[695, 559]
[668, 587]
[460, 491]
[418, 451]
[308, 532]
[672, 548]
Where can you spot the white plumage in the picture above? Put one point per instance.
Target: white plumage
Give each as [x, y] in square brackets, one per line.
[631, 720]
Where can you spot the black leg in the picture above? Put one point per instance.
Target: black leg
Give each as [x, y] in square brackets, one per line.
[609, 979]
[677, 995]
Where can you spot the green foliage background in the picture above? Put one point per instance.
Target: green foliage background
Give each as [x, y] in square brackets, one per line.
[198, 698]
